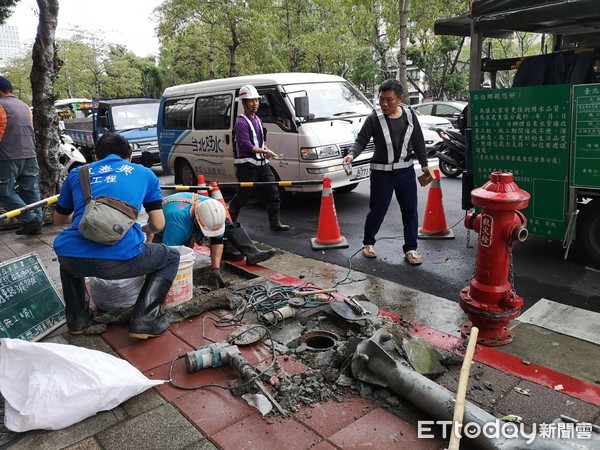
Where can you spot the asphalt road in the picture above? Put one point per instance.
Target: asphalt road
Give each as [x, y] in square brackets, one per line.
[538, 265]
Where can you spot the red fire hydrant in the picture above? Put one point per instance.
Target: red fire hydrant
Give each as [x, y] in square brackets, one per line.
[490, 301]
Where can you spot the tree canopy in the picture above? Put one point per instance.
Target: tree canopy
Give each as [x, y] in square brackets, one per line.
[363, 40]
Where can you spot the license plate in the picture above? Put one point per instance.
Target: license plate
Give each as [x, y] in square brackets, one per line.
[362, 172]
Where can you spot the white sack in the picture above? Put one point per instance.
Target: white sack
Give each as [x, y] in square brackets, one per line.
[52, 386]
[112, 295]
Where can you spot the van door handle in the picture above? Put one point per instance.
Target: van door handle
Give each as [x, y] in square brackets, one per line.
[227, 139]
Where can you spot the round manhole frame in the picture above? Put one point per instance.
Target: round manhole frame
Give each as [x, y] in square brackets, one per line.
[319, 334]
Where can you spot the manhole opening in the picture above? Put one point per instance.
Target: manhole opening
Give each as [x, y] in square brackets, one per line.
[319, 340]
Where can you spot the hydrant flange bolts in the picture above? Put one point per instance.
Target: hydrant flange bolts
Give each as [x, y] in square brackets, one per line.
[490, 301]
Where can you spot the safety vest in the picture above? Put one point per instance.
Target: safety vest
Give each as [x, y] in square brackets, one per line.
[401, 164]
[258, 159]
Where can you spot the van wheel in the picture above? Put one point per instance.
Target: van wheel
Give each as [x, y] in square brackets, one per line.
[588, 232]
[184, 174]
[345, 189]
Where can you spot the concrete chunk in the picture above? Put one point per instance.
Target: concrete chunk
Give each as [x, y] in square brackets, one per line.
[423, 357]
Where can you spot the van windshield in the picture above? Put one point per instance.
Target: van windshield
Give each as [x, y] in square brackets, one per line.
[331, 100]
[141, 115]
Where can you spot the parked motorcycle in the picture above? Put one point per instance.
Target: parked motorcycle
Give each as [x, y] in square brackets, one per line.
[69, 155]
[452, 153]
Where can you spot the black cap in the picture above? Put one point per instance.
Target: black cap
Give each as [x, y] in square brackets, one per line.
[5, 85]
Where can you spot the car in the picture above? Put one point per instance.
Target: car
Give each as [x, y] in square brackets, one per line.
[450, 110]
[430, 126]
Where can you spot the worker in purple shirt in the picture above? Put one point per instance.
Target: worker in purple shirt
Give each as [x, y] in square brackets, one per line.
[252, 160]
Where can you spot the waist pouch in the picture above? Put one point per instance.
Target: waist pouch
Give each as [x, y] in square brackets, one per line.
[105, 219]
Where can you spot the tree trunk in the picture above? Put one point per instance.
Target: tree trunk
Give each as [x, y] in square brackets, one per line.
[211, 56]
[404, 7]
[235, 43]
[44, 70]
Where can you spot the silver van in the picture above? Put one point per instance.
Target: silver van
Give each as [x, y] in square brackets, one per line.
[310, 119]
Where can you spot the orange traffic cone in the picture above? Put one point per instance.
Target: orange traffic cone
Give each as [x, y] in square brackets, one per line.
[202, 182]
[328, 233]
[215, 193]
[434, 223]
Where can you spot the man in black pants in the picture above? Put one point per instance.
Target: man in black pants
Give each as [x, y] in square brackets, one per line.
[394, 129]
[252, 160]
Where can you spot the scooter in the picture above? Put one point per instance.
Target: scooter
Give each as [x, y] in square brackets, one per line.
[452, 153]
[69, 155]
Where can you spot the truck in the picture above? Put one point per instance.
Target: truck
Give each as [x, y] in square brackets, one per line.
[545, 127]
[133, 118]
[73, 108]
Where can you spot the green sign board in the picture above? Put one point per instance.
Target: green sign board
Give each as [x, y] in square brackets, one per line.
[525, 131]
[30, 307]
[585, 160]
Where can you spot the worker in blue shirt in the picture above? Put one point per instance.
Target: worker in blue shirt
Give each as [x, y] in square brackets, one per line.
[181, 229]
[113, 174]
[189, 218]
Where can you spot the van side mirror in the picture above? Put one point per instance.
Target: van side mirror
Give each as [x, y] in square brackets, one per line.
[301, 106]
[104, 121]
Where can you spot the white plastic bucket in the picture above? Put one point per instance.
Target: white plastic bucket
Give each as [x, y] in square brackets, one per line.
[182, 289]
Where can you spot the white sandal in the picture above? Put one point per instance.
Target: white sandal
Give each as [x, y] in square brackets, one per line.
[413, 257]
[368, 251]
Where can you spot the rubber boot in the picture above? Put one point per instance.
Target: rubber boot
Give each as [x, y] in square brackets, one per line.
[233, 213]
[229, 250]
[146, 322]
[240, 240]
[274, 222]
[77, 310]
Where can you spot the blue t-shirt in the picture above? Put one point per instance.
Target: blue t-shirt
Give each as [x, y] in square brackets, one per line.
[179, 225]
[114, 177]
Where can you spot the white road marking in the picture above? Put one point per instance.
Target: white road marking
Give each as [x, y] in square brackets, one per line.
[564, 319]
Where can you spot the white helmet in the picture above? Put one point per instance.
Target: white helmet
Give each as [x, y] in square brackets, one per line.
[210, 215]
[248, 92]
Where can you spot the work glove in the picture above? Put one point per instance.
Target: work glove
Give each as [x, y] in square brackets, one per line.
[216, 279]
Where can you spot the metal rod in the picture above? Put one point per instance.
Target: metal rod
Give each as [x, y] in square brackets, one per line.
[18, 212]
[245, 184]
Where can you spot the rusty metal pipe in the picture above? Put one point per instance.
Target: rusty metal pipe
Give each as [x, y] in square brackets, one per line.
[373, 364]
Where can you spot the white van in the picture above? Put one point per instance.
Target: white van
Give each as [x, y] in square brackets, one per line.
[311, 119]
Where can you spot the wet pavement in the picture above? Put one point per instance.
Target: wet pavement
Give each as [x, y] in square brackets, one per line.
[560, 374]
